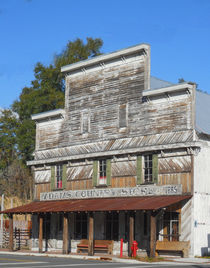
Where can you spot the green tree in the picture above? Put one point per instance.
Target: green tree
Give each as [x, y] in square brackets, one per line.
[8, 141]
[47, 90]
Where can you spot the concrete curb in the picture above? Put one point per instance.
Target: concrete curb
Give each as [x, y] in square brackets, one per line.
[188, 261]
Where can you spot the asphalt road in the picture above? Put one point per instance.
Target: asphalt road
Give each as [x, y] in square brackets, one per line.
[13, 261]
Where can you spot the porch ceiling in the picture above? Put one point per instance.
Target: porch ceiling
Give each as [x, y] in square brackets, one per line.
[105, 204]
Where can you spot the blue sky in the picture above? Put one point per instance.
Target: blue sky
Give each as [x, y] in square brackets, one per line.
[35, 30]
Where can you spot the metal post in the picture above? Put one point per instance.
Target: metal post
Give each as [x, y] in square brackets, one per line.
[2, 221]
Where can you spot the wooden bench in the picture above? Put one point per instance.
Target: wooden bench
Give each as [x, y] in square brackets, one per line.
[105, 245]
[174, 246]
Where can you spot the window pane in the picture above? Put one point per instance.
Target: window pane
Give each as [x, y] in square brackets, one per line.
[102, 171]
[148, 168]
[59, 171]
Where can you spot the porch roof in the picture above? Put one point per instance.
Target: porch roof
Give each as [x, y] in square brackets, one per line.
[102, 204]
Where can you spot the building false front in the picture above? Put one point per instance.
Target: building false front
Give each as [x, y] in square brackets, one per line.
[125, 159]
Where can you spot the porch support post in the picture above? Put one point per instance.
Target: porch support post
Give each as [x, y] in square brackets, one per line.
[65, 233]
[11, 232]
[40, 233]
[91, 232]
[152, 234]
[131, 232]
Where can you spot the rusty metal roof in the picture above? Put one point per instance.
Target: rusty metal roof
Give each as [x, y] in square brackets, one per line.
[105, 204]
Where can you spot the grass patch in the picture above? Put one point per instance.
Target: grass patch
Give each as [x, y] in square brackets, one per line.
[149, 259]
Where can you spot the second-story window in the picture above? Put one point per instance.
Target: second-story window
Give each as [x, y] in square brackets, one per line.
[85, 123]
[148, 168]
[102, 171]
[58, 176]
[59, 173]
[123, 116]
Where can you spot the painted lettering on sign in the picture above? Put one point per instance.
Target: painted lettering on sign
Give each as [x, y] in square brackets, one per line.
[113, 192]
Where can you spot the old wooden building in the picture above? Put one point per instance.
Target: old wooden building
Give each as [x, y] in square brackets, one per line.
[127, 158]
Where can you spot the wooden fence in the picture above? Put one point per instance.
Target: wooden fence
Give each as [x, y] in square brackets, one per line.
[21, 235]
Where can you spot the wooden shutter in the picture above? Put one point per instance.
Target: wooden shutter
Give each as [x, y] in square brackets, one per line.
[139, 169]
[155, 168]
[52, 182]
[64, 177]
[95, 173]
[108, 172]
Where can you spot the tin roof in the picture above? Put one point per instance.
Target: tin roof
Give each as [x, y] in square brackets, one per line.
[105, 204]
[158, 83]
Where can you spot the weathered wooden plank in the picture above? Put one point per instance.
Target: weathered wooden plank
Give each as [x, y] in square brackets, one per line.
[40, 233]
[123, 182]
[131, 232]
[124, 168]
[79, 172]
[11, 232]
[175, 164]
[90, 236]
[41, 187]
[152, 234]
[65, 233]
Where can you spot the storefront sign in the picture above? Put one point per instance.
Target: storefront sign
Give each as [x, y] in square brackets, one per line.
[113, 192]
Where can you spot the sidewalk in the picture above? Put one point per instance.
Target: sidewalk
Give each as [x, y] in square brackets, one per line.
[105, 257]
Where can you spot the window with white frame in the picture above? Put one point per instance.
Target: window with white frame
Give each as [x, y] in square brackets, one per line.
[58, 177]
[148, 168]
[102, 171]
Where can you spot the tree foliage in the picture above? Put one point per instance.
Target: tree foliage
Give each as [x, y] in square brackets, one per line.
[8, 142]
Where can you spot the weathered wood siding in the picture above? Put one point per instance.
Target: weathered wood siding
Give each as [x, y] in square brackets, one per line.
[49, 134]
[173, 168]
[41, 188]
[176, 170]
[94, 100]
[42, 175]
[101, 93]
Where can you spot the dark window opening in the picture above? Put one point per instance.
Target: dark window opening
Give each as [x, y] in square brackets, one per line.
[144, 99]
[46, 226]
[81, 226]
[145, 224]
[112, 226]
[60, 222]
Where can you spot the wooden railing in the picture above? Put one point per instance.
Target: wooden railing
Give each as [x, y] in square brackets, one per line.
[20, 237]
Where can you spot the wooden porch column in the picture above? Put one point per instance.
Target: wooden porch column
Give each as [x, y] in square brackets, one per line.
[40, 233]
[91, 232]
[11, 232]
[152, 234]
[131, 232]
[65, 233]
